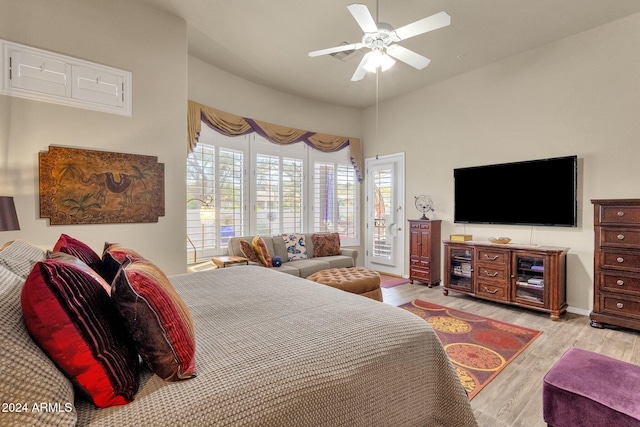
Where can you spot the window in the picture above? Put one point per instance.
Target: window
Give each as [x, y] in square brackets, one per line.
[280, 197]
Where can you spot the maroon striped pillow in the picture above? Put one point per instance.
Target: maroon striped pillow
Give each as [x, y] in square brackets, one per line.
[157, 319]
[80, 250]
[68, 313]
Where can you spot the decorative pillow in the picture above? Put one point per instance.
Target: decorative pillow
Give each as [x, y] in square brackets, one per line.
[326, 244]
[80, 250]
[19, 257]
[28, 374]
[260, 247]
[69, 315]
[296, 248]
[248, 251]
[157, 319]
[113, 256]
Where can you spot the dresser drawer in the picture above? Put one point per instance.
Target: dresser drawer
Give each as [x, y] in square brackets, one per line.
[619, 237]
[620, 305]
[420, 274]
[620, 282]
[493, 256]
[494, 291]
[619, 214]
[619, 260]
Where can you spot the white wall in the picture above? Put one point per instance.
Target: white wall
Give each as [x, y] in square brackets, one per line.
[124, 35]
[577, 96]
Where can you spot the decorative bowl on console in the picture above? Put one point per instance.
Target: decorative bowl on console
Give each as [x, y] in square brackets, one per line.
[500, 240]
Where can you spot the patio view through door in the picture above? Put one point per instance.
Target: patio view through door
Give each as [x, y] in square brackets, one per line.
[384, 224]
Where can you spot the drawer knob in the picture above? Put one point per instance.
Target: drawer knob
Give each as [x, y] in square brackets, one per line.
[620, 236]
[492, 258]
[620, 282]
[620, 259]
[620, 305]
[491, 274]
[620, 213]
[491, 292]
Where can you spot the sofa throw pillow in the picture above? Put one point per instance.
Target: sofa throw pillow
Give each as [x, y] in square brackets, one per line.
[113, 256]
[69, 315]
[260, 247]
[80, 250]
[296, 248]
[157, 319]
[28, 374]
[249, 252]
[326, 244]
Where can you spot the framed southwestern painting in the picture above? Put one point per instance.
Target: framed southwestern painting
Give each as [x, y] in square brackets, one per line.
[80, 186]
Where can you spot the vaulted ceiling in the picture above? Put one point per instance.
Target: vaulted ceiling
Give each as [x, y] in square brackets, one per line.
[267, 42]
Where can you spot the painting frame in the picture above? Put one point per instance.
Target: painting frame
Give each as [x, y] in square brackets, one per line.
[82, 186]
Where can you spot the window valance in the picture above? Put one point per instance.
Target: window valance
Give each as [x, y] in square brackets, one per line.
[232, 125]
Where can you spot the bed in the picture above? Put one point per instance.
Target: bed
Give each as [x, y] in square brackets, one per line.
[278, 350]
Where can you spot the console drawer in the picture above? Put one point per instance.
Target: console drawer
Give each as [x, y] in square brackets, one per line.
[492, 256]
[491, 290]
[493, 273]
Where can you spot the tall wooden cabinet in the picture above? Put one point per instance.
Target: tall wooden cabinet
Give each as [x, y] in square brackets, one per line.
[424, 258]
[616, 293]
[523, 275]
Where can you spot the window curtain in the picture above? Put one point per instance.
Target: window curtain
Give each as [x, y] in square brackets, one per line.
[232, 125]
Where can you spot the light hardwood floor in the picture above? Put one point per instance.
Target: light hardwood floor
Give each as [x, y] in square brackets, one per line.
[514, 397]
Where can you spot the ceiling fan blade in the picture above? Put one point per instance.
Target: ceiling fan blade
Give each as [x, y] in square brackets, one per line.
[430, 23]
[362, 16]
[341, 48]
[361, 71]
[408, 56]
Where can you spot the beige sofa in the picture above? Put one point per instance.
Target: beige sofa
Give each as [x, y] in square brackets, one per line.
[303, 267]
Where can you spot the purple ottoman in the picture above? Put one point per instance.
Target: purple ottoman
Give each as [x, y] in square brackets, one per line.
[588, 389]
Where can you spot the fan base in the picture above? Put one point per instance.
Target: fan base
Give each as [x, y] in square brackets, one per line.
[424, 217]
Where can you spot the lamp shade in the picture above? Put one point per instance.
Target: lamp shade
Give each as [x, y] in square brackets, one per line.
[8, 216]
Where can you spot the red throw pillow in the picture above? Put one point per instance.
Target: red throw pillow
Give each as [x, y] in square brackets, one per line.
[113, 256]
[249, 252]
[261, 251]
[157, 319]
[327, 244]
[68, 313]
[80, 250]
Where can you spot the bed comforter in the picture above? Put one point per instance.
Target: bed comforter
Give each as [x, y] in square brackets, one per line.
[277, 350]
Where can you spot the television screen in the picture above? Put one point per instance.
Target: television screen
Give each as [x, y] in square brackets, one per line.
[534, 192]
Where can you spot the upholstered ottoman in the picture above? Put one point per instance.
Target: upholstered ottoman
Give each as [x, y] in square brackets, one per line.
[588, 389]
[357, 280]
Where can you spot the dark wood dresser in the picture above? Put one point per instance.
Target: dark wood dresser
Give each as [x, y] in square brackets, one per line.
[424, 258]
[616, 276]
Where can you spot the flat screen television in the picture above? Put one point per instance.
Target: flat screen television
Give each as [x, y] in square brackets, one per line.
[534, 192]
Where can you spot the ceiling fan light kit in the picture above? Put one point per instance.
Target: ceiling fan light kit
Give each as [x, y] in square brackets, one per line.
[380, 38]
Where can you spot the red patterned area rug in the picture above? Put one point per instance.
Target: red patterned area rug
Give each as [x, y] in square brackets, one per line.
[479, 347]
[387, 281]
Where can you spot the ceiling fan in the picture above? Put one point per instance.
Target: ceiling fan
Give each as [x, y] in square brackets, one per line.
[380, 38]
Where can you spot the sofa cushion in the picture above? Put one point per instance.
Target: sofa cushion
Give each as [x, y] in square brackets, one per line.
[296, 246]
[28, 374]
[339, 261]
[68, 313]
[309, 266]
[326, 244]
[157, 319]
